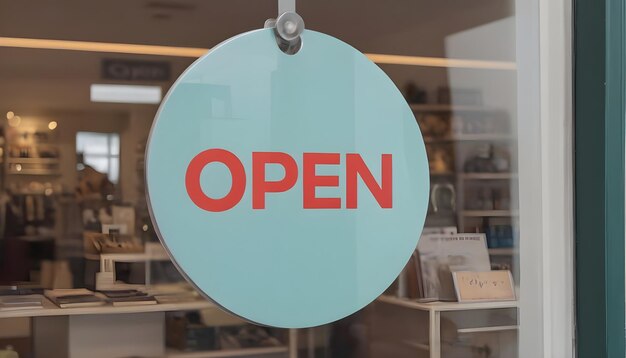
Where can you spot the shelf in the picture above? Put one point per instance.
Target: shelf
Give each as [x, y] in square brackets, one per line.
[446, 306]
[503, 251]
[34, 160]
[488, 176]
[487, 329]
[488, 213]
[479, 137]
[243, 352]
[435, 107]
[50, 309]
[34, 172]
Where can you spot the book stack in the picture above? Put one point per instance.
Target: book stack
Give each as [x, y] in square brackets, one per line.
[172, 293]
[21, 288]
[21, 302]
[76, 297]
[120, 298]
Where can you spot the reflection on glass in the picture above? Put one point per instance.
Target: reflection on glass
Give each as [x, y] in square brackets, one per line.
[100, 151]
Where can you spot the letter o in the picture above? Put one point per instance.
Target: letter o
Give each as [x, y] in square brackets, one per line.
[194, 188]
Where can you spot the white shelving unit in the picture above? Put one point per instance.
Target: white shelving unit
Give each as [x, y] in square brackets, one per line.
[460, 138]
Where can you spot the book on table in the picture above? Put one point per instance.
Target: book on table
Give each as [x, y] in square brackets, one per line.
[128, 298]
[172, 293]
[72, 298]
[20, 302]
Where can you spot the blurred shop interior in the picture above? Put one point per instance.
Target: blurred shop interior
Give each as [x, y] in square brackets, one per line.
[73, 212]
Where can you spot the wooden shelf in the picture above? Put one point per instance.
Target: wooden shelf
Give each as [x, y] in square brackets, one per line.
[34, 160]
[243, 352]
[488, 213]
[34, 172]
[488, 176]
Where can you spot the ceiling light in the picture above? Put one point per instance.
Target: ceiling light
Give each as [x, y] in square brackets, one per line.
[195, 52]
[52, 125]
[440, 62]
[102, 47]
[10, 114]
[125, 93]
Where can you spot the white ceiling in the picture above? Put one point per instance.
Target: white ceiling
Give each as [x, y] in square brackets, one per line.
[52, 79]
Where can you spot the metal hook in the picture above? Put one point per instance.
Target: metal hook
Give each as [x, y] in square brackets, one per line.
[287, 27]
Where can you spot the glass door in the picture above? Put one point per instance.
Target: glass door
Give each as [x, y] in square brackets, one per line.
[78, 97]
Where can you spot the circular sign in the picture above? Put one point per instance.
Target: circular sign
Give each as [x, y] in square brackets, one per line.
[289, 189]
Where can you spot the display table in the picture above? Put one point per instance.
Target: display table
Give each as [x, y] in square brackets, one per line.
[107, 331]
[125, 331]
[434, 311]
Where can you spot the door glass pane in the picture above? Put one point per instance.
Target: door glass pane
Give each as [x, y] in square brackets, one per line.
[454, 62]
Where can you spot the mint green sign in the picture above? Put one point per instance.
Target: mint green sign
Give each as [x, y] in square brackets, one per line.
[290, 189]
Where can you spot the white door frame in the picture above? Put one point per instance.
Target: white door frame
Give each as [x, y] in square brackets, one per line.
[545, 131]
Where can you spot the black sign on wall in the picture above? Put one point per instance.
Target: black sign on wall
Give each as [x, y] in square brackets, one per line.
[132, 70]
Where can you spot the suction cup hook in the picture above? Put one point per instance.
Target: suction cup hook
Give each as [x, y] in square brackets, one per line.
[287, 27]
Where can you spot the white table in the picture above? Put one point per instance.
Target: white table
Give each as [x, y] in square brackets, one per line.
[434, 310]
[137, 330]
[106, 331]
